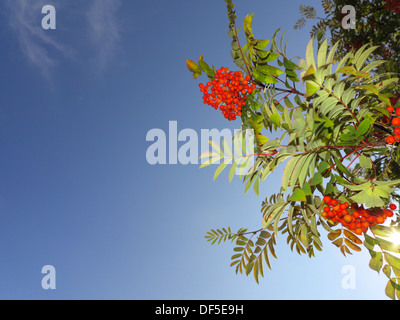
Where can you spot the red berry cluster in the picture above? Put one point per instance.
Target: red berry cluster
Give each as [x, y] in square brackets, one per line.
[228, 92]
[395, 121]
[393, 5]
[355, 217]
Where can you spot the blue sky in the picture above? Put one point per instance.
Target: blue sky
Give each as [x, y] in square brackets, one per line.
[76, 191]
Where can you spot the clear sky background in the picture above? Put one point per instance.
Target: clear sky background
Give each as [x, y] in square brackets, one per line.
[76, 191]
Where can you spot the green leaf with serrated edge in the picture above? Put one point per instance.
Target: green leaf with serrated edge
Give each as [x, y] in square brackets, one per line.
[208, 155]
[257, 185]
[303, 235]
[317, 179]
[256, 271]
[321, 55]
[387, 270]
[261, 242]
[193, 66]
[272, 213]
[288, 103]
[249, 183]
[322, 166]
[314, 228]
[233, 169]
[261, 140]
[298, 120]
[262, 44]
[363, 57]
[347, 70]
[247, 26]
[390, 290]
[376, 261]
[309, 74]
[391, 183]
[220, 168]
[310, 53]
[307, 189]
[249, 267]
[206, 68]
[217, 148]
[347, 137]
[265, 234]
[210, 162]
[298, 170]
[227, 149]
[298, 195]
[311, 88]
[392, 260]
[373, 65]
[340, 166]
[290, 219]
[269, 70]
[365, 162]
[363, 127]
[368, 197]
[263, 78]
[276, 119]
[288, 172]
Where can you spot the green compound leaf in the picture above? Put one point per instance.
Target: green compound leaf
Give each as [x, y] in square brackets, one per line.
[298, 195]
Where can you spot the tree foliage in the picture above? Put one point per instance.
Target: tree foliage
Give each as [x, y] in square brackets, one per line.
[377, 23]
[329, 111]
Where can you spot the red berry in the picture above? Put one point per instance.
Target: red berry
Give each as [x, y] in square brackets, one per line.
[380, 220]
[333, 203]
[398, 111]
[371, 219]
[365, 224]
[392, 206]
[327, 199]
[358, 231]
[226, 93]
[347, 218]
[396, 121]
[390, 140]
[390, 109]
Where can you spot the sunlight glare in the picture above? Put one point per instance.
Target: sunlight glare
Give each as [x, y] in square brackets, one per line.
[395, 238]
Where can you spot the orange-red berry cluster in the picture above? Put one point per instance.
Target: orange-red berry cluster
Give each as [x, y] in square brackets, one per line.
[228, 92]
[355, 217]
[393, 5]
[395, 121]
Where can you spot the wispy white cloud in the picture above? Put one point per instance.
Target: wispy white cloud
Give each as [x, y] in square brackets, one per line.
[104, 31]
[36, 43]
[44, 50]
